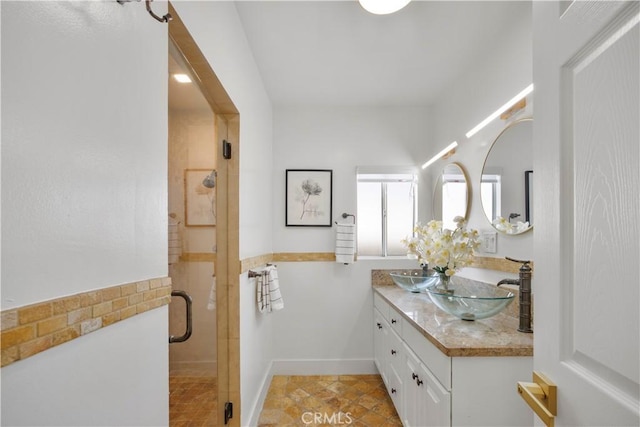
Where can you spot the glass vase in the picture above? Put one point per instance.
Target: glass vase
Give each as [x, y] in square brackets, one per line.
[445, 281]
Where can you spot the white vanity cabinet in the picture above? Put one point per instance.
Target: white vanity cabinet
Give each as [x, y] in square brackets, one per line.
[419, 398]
[431, 388]
[426, 401]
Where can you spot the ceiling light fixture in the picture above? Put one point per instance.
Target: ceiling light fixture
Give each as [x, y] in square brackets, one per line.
[182, 78]
[500, 110]
[446, 150]
[383, 7]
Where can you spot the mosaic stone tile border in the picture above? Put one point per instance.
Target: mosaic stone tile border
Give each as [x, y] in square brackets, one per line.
[38, 327]
[498, 264]
[487, 263]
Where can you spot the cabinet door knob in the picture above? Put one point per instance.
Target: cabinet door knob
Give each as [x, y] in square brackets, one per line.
[414, 376]
[379, 325]
[393, 321]
[393, 351]
[393, 390]
[419, 382]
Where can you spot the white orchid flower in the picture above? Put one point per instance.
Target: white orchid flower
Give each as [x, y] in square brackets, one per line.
[446, 251]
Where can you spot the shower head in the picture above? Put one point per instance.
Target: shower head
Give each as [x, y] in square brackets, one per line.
[210, 180]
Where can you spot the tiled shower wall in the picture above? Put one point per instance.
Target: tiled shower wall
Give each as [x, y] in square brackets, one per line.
[192, 146]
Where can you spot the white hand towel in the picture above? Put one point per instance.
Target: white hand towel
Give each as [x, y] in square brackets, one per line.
[211, 305]
[275, 297]
[345, 243]
[268, 294]
[262, 293]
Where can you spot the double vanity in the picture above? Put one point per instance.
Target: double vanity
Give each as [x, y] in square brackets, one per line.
[443, 371]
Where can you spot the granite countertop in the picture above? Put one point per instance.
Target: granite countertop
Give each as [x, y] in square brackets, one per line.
[495, 336]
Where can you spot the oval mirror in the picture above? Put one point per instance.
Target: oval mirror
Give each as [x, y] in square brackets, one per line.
[506, 188]
[451, 195]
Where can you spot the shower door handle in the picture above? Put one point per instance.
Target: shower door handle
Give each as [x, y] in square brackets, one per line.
[189, 302]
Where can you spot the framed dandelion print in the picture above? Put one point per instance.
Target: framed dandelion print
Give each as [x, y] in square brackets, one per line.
[308, 197]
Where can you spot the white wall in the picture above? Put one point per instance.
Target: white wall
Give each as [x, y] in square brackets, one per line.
[84, 157]
[116, 376]
[341, 139]
[497, 77]
[221, 38]
[327, 315]
[84, 202]
[326, 326]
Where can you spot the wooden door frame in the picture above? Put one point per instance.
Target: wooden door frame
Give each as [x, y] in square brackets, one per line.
[227, 220]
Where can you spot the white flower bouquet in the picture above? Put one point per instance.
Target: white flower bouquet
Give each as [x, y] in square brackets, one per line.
[445, 251]
[503, 225]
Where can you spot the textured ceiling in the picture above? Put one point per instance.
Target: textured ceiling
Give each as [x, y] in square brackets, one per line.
[335, 53]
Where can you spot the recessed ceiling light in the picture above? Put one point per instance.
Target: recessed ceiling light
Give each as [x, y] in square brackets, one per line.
[383, 7]
[500, 110]
[182, 78]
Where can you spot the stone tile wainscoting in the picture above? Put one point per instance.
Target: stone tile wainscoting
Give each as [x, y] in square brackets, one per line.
[38, 327]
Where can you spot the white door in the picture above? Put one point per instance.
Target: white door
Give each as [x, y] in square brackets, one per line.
[586, 240]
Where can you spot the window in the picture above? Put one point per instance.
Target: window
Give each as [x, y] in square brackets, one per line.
[386, 212]
[490, 191]
[454, 198]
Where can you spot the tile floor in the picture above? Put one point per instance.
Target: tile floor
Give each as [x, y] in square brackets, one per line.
[354, 400]
[192, 399]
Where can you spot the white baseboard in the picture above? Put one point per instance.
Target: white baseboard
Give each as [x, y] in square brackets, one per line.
[259, 403]
[309, 367]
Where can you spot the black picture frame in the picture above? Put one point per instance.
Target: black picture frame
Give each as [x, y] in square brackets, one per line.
[308, 197]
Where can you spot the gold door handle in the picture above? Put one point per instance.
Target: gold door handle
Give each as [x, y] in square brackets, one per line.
[541, 396]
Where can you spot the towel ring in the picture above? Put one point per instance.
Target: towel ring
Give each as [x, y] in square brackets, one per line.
[346, 215]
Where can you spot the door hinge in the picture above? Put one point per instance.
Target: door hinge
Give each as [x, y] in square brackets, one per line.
[226, 149]
[228, 412]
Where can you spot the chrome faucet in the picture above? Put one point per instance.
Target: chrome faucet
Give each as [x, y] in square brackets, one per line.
[524, 299]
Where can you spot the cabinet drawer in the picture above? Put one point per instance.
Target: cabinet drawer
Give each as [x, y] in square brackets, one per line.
[390, 314]
[381, 305]
[437, 362]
